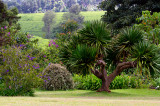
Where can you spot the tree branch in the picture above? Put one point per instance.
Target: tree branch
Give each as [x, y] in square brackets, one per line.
[120, 67]
[97, 73]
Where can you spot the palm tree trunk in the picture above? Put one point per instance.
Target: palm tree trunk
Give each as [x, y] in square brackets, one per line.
[106, 80]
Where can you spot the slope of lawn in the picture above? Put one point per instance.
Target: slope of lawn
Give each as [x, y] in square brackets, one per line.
[122, 97]
[42, 43]
[32, 23]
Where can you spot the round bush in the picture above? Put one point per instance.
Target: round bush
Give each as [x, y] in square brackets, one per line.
[57, 77]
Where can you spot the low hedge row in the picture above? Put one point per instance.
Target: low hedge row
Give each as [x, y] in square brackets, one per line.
[91, 82]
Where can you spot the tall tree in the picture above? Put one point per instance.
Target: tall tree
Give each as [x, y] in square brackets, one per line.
[8, 17]
[48, 22]
[71, 2]
[75, 9]
[35, 5]
[121, 13]
[74, 14]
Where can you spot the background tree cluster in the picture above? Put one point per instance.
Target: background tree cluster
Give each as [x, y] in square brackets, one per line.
[122, 13]
[31, 6]
[71, 21]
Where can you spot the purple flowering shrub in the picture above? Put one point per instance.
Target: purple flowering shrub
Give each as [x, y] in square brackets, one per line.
[53, 44]
[19, 71]
[7, 35]
[52, 52]
[49, 55]
[24, 41]
[12, 36]
[22, 38]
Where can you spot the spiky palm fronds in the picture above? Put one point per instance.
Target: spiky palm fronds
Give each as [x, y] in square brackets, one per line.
[127, 39]
[147, 57]
[67, 48]
[112, 53]
[82, 58]
[65, 53]
[95, 34]
[76, 56]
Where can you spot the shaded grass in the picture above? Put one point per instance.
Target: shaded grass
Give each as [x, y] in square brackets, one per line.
[121, 97]
[88, 93]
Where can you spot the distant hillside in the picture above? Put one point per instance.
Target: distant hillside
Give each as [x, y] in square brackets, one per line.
[34, 6]
[33, 23]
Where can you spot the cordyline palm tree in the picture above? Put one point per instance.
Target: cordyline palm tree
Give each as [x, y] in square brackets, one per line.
[94, 49]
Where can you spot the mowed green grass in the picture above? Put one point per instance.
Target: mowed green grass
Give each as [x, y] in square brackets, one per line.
[146, 93]
[32, 23]
[121, 97]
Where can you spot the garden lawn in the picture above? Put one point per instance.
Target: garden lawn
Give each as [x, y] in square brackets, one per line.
[122, 97]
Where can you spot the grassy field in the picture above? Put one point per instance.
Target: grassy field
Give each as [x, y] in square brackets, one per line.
[32, 23]
[121, 97]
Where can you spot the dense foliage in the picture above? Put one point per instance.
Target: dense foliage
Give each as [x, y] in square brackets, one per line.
[122, 13]
[8, 17]
[91, 82]
[155, 84]
[149, 24]
[19, 72]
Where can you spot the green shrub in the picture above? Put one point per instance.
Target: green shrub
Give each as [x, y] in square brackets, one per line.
[56, 77]
[158, 81]
[19, 72]
[155, 84]
[70, 26]
[91, 82]
[88, 82]
[22, 38]
[125, 82]
[1, 84]
[150, 25]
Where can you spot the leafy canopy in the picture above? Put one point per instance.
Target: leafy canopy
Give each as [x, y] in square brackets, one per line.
[122, 13]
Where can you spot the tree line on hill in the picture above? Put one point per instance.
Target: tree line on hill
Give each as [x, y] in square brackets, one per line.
[32, 6]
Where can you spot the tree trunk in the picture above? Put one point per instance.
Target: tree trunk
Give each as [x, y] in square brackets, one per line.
[105, 85]
[106, 80]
